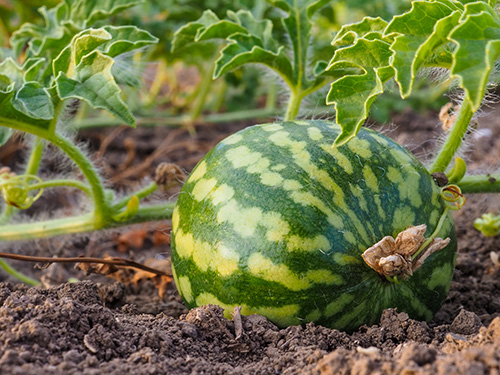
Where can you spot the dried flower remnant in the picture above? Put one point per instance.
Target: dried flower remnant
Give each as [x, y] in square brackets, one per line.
[447, 115]
[169, 175]
[396, 257]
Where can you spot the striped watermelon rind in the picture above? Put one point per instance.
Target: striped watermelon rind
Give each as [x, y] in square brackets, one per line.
[275, 220]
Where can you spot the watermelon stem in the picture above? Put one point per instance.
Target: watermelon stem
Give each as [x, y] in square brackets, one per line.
[427, 242]
[394, 279]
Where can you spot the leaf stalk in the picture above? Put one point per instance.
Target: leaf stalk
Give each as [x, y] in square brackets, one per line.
[454, 139]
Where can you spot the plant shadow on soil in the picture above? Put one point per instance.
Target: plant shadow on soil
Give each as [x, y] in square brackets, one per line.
[99, 326]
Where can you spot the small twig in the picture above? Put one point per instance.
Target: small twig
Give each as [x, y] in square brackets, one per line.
[119, 262]
[238, 324]
[108, 139]
[138, 168]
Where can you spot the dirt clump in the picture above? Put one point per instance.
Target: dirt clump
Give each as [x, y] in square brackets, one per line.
[69, 330]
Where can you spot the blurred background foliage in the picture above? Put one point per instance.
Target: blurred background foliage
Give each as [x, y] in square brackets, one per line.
[178, 88]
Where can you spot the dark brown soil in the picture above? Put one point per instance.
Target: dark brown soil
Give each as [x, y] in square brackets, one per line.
[98, 326]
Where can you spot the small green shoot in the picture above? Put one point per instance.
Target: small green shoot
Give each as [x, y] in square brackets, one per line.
[488, 224]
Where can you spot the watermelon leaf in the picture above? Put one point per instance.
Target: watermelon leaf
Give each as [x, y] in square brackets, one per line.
[362, 77]
[461, 36]
[478, 46]
[65, 59]
[26, 104]
[92, 81]
[62, 22]
[348, 34]
[416, 41]
[125, 39]
[34, 101]
[246, 39]
[83, 13]
[11, 73]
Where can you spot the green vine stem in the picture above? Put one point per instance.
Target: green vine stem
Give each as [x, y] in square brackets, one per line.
[158, 83]
[292, 109]
[6, 214]
[221, 97]
[471, 184]
[102, 212]
[203, 90]
[35, 156]
[454, 139]
[271, 96]
[80, 224]
[297, 95]
[433, 235]
[18, 275]
[166, 119]
[63, 183]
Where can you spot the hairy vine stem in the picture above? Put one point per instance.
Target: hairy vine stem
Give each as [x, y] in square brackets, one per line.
[454, 139]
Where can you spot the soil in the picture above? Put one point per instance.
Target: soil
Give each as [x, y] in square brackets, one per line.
[100, 326]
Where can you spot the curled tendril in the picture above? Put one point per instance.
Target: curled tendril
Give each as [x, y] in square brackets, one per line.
[17, 190]
[453, 197]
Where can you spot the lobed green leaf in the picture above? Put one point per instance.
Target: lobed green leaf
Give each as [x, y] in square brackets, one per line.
[81, 45]
[34, 101]
[248, 49]
[186, 36]
[22, 102]
[478, 46]
[249, 40]
[13, 72]
[93, 82]
[363, 68]
[125, 39]
[419, 32]
[83, 68]
[463, 36]
[42, 39]
[67, 19]
[298, 25]
[84, 13]
[348, 34]
[66, 59]
[13, 118]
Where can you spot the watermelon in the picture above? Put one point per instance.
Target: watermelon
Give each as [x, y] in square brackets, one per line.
[275, 220]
